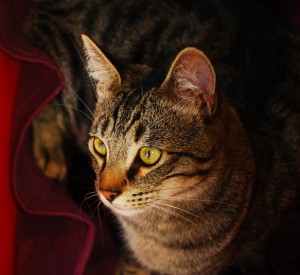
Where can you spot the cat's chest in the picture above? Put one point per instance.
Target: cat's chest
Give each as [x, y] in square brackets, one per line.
[161, 252]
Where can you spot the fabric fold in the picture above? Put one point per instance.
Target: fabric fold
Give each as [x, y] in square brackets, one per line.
[53, 236]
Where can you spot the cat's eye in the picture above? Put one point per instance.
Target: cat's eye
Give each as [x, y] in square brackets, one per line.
[150, 155]
[99, 147]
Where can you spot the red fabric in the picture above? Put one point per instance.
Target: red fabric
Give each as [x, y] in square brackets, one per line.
[52, 234]
[9, 74]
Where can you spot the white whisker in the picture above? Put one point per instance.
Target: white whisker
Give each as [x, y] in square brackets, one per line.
[191, 199]
[78, 97]
[85, 66]
[201, 200]
[162, 117]
[172, 213]
[180, 209]
[72, 107]
[156, 213]
[99, 220]
[85, 200]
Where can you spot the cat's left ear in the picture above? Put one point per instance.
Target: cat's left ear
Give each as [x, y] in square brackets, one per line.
[100, 68]
[193, 78]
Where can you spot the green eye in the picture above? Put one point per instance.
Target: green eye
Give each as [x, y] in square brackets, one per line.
[150, 155]
[99, 147]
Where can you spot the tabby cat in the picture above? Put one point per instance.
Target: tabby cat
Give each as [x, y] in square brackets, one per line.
[199, 158]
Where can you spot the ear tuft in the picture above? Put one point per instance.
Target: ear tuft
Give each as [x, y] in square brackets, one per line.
[99, 67]
[192, 77]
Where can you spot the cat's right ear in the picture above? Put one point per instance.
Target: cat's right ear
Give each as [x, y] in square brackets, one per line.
[100, 68]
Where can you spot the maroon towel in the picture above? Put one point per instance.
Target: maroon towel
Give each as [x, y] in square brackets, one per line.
[53, 235]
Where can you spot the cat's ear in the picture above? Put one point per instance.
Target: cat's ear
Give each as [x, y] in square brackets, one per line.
[193, 78]
[100, 68]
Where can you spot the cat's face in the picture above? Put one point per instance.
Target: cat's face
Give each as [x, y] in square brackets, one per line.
[149, 144]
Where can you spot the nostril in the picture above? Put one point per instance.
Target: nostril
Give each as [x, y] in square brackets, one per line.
[124, 182]
[110, 195]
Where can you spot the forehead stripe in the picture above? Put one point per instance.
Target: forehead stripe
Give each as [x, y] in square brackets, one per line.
[140, 130]
[135, 117]
[104, 126]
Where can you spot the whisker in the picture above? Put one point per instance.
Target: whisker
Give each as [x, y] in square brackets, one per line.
[198, 200]
[92, 204]
[172, 213]
[163, 115]
[174, 188]
[149, 212]
[88, 196]
[85, 65]
[156, 213]
[153, 124]
[81, 207]
[79, 98]
[99, 220]
[92, 195]
[69, 106]
[180, 209]
[192, 199]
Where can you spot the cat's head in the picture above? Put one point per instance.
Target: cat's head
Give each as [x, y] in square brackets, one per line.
[149, 140]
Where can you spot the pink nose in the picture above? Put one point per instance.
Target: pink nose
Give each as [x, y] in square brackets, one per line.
[110, 195]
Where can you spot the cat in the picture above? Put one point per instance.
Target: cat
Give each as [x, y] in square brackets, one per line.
[199, 158]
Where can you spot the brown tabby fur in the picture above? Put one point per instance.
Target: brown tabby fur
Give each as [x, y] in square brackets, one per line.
[228, 130]
[212, 218]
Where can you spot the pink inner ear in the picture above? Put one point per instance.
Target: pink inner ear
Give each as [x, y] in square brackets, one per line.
[193, 74]
[194, 78]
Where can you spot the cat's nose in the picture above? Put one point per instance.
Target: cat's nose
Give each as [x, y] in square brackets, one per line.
[110, 195]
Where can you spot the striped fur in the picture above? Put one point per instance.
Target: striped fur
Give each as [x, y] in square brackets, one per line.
[182, 206]
[228, 170]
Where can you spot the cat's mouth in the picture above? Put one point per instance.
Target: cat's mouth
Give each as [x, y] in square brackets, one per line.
[129, 205]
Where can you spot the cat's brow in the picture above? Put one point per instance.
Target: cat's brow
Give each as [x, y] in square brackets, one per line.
[196, 158]
[140, 130]
[104, 126]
